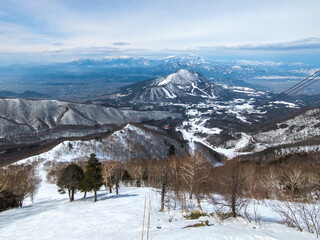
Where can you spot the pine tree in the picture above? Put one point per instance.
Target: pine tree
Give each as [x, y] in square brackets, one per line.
[171, 150]
[70, 180]
[92, 177]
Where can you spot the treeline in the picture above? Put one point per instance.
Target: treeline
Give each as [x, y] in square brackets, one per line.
[188, 176]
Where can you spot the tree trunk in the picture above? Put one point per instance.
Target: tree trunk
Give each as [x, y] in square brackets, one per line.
[292, 193]
[233, 196]
[199, 202]
[117, 186]
[72, 195]
[95, 195]
[69, 194]
[163, 193]
[110, 189]
[85, 194]
[233, 207]
[191, 192]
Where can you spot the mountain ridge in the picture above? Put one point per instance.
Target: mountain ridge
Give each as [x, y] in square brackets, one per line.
[27, 121]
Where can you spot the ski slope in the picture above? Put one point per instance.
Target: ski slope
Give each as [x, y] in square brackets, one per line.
[52, 216]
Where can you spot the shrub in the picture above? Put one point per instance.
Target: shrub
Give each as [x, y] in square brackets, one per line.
[195, 215]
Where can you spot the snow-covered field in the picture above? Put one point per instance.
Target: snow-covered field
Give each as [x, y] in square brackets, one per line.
[52, 216]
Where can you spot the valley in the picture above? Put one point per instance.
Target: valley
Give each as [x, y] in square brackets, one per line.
[226, 119]
[164, 139]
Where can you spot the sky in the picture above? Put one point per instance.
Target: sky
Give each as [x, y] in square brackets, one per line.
[58, 30]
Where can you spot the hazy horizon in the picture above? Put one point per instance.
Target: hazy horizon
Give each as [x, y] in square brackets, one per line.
[56, 30]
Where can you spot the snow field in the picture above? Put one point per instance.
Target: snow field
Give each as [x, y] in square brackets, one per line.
[52, 216]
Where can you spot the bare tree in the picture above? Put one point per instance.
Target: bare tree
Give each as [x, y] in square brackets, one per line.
[293, 178]
[299, 215]
[230, 181]
[193, 170]
[54, 170]
[137, 170]
[108, 173]
[21, 180]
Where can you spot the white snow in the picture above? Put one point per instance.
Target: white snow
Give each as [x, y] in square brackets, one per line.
[236, 150]
[169, 95]
[298, 129]
[52, 216]
[165, 81]
[258, 63]
[196, 125]
[277, 77]
[289, 104]
[205, 94]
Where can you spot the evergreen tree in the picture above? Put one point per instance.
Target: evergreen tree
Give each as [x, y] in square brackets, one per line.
[171, 150]
[92, 177]
[70, 180]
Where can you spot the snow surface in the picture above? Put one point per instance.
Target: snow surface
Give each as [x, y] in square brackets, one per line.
[289, 104]
[300, 128]
[169, 95]
[181, 74]
[196, 125]
[52, 216]
[135, 142]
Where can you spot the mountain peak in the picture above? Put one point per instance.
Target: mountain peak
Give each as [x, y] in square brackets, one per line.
[181, 77]
[179, 87]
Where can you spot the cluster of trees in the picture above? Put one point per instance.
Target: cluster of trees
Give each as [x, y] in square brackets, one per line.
[72, 177]
[293, 186]
[180, 178]
[192, 176]
[17, 182]
[185, 177]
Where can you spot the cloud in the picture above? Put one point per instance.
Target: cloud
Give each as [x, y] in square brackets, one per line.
[120, 43]
[71, 28]
[298, 45]
[303, 44]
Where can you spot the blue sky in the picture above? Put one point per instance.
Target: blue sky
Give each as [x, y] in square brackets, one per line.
[63, 29]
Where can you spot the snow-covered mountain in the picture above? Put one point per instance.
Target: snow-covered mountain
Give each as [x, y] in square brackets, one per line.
[130, 141]
[297, 134]
[115, 62]
[261, 142]
[179, 87]
[27, 121]
[185, 60]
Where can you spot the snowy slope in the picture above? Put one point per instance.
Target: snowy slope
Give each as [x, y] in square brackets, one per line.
[24, 120]
[52, 216]
[302, 129]
[231, 128]
[129, 142]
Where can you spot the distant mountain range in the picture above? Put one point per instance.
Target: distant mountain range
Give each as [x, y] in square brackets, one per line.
[103, 75]
[25, 94]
